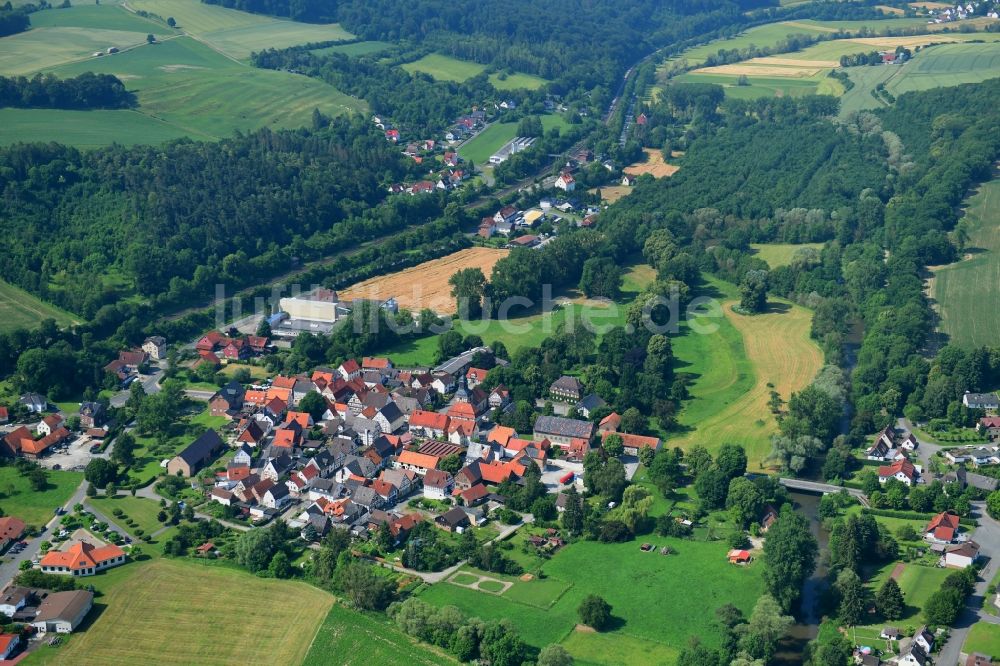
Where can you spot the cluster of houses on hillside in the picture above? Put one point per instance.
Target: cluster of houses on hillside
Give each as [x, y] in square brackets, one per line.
[213, 347]
[889, 448]
[961, 11]
[379, 441]
[517, 225]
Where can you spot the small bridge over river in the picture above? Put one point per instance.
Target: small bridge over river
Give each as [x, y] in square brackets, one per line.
[824, 488]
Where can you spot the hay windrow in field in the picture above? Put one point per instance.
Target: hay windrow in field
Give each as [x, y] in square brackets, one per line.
[426, 285]
[761, 70]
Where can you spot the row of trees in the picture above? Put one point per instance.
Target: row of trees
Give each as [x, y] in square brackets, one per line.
[85, 91]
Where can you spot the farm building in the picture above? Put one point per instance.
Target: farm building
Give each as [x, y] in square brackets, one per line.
[62, 612]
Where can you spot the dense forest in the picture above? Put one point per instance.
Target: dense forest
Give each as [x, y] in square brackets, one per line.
[309, 11]
[13, 21]
[86, 91]
[187, 215]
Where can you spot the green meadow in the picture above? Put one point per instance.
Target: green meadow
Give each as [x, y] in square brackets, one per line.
[19, 309]
[18, 499]
[780, 254]
[516, 81]
[445, 68]
[658, 601]
[354, 49]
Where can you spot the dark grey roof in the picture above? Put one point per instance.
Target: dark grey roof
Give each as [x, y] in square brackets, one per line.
[567, 383]
[391, 412]
[202, 448]
[92, 408]
[278, 490]
[592, 401]
[557, 425]
[365, 496]
[454, 517]
[382, 447]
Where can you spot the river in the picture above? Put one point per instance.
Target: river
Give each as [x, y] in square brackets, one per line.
[807, 626]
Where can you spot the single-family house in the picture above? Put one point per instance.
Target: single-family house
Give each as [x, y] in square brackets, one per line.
[565, 182]
[453, 520]
[987, 401]
[11, 529]
[989, 426]
[961, 556]
[943, 528]
[92, 415]
[902, 470]
[155, 346]
[50, 424]
[8, 645]
[34, 402]
[589, 403]
[635, 443]
[438, 484]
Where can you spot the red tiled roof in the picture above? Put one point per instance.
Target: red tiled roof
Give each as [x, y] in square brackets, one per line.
[418, 459]
[433, 420]
[11, 528]
[81, 555]
[904, 466]
[634, 441]
[375, 363]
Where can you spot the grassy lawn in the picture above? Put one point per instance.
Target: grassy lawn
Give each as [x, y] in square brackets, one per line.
[19, 309]
[445, 68]
[660, 601]
[160, 600]
[256, 371]
[983, 637]
[614, 649]
[479, 148]
[236, 33]
[917, 582]
[780, 254]
[348, 637]
[140, 509]
[35, 508]
[965, 292]
[732, 368]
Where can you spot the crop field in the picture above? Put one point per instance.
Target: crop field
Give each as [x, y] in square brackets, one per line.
[238, 34]
[187, 86]
[33, 507]
[660, 601]
[967, 293]
[106, 16]
[19, 309]
[612, 193]
[43, 48]
[445, 68]
[804, 72]
[360, 639]
[654, 165]
[734, 365]
[479, 148]
[163, 599]
[426, 285]
[355, 49]
[780, 254]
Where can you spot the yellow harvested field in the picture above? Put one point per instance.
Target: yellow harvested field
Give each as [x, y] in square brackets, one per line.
[761, 70]
[930, 5]
[778, 345]
[613, 193]
[794, 62]
[654, 165]
[886, 9]
[426, 285]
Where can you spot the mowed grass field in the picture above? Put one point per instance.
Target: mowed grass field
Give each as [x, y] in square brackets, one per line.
[140, 509]
[445, 68]
[516, 81]
[780, 254]
[355, 49]
[236, 33]
[19, 309]
[966, 293]
[658, 601]
[426, 285]
[33, 507]
[174, 612]
[350, 638]
[734, 365]
[479, 148]
[917, 583]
